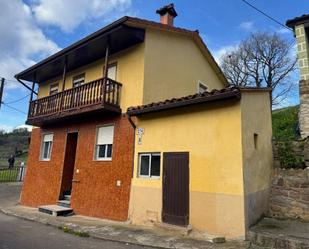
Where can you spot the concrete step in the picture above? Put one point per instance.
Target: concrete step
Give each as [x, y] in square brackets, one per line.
[184, 230]
[278, 233]
[64, 203]
[67, 197]
[274, 241]
[55, 210]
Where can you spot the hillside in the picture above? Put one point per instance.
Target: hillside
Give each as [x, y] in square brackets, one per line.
[16, 143]
[285, 123]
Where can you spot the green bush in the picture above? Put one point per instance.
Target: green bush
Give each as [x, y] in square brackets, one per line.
[285, 123]
[287, 157]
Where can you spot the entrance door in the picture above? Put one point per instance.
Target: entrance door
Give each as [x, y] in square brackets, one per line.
[176, 188]
[69, 161]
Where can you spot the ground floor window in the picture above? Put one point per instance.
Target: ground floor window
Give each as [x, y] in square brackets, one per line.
[104, 145]
[149, 165]
[46, 148]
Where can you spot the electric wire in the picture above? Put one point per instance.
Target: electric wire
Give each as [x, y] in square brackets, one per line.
[13, 108]
[265, 14]
[17, 100]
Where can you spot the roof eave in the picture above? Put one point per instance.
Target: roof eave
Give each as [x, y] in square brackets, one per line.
[73, 46]
[233, 95]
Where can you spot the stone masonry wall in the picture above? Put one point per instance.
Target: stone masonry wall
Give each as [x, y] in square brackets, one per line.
[303, 115]
[301, 34]
[289, 197]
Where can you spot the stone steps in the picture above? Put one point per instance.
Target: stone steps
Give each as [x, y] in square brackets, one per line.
[64, 203]
[265, 240]
[56, 210]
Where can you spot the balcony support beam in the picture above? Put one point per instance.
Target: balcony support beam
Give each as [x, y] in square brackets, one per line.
[64, 74]
[106, 58]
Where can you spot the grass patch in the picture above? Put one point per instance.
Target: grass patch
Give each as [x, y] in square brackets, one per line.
[72, 231]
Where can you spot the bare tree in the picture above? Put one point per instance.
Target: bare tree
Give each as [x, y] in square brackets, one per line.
[262, 60]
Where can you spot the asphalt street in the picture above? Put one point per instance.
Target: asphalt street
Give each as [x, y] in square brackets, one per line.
[22, 234]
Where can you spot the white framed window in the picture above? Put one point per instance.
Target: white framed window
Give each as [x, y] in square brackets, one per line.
[104, 144]
[201, 87]
[149, 165]
[112, 71]
[78, 80]
[46, 148]
[53, 88]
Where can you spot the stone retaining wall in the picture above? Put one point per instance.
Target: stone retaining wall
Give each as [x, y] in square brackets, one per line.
[289, 197]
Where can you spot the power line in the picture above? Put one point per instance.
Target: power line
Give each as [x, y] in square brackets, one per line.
[13, 108]
[17, 100]
[268, 16]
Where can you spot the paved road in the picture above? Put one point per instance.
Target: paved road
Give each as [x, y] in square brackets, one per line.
[21, 234]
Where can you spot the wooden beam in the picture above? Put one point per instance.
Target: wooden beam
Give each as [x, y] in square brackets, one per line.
[1, 90]
[64, 73]
[106, 58]
[26, 86]
[32, 88]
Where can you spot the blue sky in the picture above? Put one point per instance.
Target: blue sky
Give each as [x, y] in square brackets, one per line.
[42, 27]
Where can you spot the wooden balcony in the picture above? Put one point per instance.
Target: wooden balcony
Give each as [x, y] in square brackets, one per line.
[99, 95]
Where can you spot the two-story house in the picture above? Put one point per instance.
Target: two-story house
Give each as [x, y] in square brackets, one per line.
[116, 138]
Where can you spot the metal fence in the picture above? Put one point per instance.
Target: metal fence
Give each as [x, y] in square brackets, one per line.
[14, 174]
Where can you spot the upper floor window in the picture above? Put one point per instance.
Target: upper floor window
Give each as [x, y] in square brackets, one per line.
[47, 142]
[78, 80]
[104, 144]
[53, 88]
[112, 71]
[202, 87]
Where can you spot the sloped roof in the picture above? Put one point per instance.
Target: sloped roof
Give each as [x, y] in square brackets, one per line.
[123, 22]
[297, 20]
[214, 95]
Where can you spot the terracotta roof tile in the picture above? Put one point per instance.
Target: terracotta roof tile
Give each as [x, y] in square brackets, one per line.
[214, 95]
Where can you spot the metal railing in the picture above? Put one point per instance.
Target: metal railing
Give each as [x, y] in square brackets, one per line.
[13, 174]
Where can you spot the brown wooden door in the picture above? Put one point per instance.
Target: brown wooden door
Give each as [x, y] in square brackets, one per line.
[69, 163]
[176, 188]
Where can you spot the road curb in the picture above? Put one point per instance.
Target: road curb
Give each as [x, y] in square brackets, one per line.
[91, 234]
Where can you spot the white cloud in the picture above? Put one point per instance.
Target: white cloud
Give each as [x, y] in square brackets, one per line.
[69, 14]
[24, 126]
[218, 53]
[6, 128]
[284, 31]
[22, 41]
[247, 26]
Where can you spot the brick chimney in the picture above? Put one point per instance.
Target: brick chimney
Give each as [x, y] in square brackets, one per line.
[167, 14]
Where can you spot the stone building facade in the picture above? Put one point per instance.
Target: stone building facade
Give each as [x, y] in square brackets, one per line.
[300, 26]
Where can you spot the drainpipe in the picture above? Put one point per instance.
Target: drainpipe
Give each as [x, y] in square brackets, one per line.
[134, 127]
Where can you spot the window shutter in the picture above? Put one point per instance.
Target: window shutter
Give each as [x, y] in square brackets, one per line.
[48, 138]
[111, 72]
[105, 135]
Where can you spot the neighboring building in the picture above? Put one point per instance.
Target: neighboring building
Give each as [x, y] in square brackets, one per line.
[112, 158]
[300, 26]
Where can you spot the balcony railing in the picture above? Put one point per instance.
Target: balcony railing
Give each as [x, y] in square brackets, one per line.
[100, 93]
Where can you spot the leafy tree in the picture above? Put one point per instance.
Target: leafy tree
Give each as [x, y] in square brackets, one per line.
[262, 60]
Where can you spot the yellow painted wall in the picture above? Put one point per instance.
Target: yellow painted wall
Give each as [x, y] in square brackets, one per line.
[130, 72]
[212, 135]
[173, 65]
[257, 161]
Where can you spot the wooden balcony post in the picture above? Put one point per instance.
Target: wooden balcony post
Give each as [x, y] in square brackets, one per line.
[31, 95]
[63, 82]
[106, 69]
[106, 58]
[64, 73]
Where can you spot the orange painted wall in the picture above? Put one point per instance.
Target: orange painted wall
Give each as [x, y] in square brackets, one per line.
[96, 193]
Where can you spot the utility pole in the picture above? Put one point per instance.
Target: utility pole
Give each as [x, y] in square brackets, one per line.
[1, 90]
